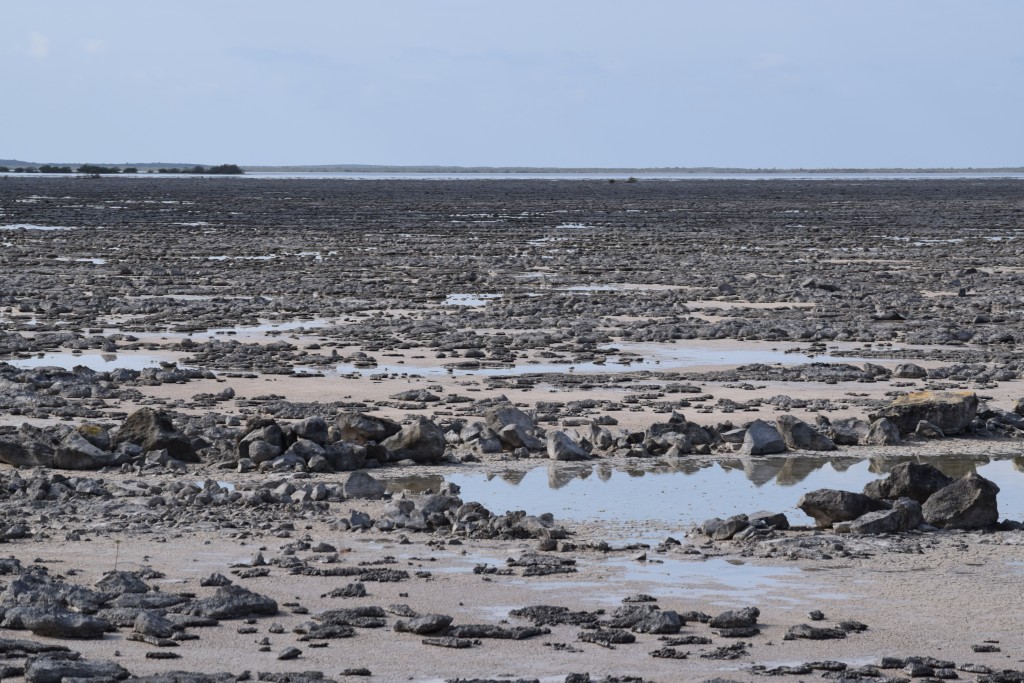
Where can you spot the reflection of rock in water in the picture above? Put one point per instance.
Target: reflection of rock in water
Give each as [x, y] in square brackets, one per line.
[843, 464]
[795, 470]
[604, 472]
[732, 464]
[559, 476]
[762, 470]
[954, 466]
[513, 476]
[416, 485]
[635, 471]
[1018, 464]
[686, 466]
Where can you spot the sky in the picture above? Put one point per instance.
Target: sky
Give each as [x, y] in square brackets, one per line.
[570, 83]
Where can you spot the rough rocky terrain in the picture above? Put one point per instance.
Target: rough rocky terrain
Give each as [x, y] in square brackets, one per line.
[228, 409]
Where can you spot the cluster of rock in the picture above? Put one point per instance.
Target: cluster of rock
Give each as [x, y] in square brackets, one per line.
[913, 496]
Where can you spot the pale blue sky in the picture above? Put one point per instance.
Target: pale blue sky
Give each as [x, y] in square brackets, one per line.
[751, 83]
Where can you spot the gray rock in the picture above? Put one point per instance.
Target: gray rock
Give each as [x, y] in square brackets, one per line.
[122, 582]
[56, 622]
[762, 438]
[361, 485]
[950, 411]
[808, 632]
[422, 441]
[742, 618]
[909, 371]
[345, 457]
[561, 447]
[929, 431]
[424, 625]
[905, 515]
[828, 506]
[967, 503]
[313, 429]
[95, 434]
[801, 436]
[912, 480]
[52, 669]
[153, 430]
[75, 452]
[360, 428]
[882, 433]
[849, 431]
[231, 602]
[776, 520]
[724, 529]
[154, 625]
[305, 449]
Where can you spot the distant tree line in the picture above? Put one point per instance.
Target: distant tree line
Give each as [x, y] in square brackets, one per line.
[94, 169]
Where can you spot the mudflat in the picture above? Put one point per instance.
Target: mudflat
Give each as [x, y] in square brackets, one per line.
[311, 428]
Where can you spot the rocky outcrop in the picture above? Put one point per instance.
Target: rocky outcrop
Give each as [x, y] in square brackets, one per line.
[828, 506]
[950, 411]
[967, 503]
[153, 430]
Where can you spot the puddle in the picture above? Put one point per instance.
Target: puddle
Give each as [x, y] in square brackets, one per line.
[31, 226]
[674, 494]
[95, 261]
[473, 300]
[92, 359]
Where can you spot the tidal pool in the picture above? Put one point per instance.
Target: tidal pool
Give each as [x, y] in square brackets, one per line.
[681, 492]
[92, 359]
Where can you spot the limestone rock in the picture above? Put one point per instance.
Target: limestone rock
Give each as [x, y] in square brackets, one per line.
[967, 503]
[762, 439]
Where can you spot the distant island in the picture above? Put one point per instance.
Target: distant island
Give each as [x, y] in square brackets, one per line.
[13, 165]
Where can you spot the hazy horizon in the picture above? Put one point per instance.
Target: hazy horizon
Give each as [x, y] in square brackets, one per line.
[788, 84]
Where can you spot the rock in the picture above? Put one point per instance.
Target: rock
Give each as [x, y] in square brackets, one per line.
[313, 429]
[95, 434]
[967, 503]
[950, 411]
[289, 653]
[775, 520]
[929, 431]
[801, 436]
[882, 433]
[828, 506]
[56, 622]
[153, 625]
[361, 485]
[724, 529]
[360, 428]
[422, 441]
[260, 451]
[808, 632]
[231, 602]
[561, 447]
[762, 439]
[345, 457]
[153, 430]
[424, 625]
[305, 449]
[515, 429]
[909, 371]
[905, 515]
[121, 582]
[51, 669]
[75, 452]
[848, 431]
[912, 480]
[28, 447]
[743, 618]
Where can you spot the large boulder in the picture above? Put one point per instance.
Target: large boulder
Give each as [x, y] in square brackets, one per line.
[801, 436]
[561, 447]
[950, 411]
[360, 428]
[848, 431]
[421, 441]
[913, 480]
[828, 506]
[58, 667]
[231, 602]
[762, 439]
[967, 503]
[312, 428]
[154, 431]
[905, 515]
[882, 433]
[75, 452]
[515, 429]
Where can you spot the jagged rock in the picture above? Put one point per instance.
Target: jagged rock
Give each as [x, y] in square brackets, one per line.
[53, 669]
[153, 625]
[153, 430]
[312, 429]
[561, 447]
[361, 485]
[743, 618]
[345, 457]
[912, 480]
[905, 515]
[122, 582]
[775, 520]
[848, 431]
[909, 371]
[929, 431]
[967, 503]
[422, 441]
[231, 602]
[950, 411]
[882, 433]
[56, 622]
[515, 429]
[724, 529]
[762, 439]
[801, 436]
[806, 631]
[828, 506]
[424, 625]
[360, 428]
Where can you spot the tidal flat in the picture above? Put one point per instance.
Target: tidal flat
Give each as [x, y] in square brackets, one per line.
[511, 429]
